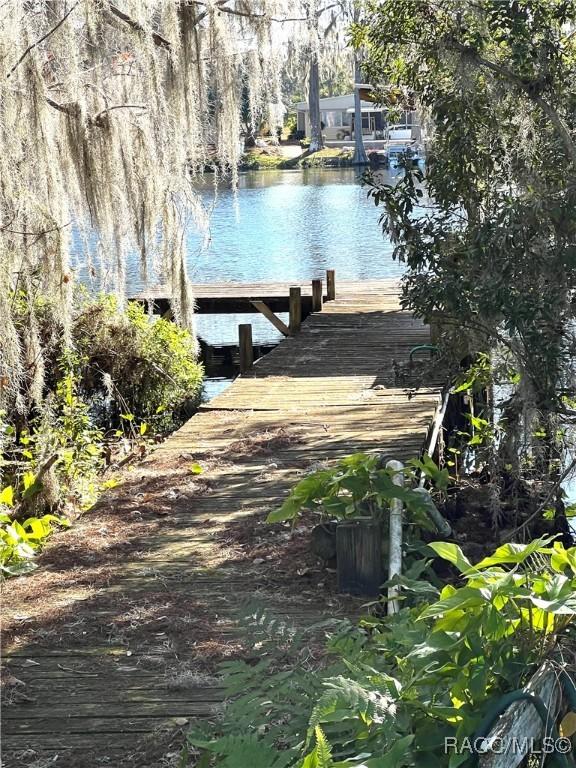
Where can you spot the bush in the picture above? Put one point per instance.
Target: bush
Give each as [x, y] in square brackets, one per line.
[398, 686]
[136, 364]
[119, 370]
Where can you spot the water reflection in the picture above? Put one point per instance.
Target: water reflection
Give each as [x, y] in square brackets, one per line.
[293, 226]
[280, 226]
[287, 225]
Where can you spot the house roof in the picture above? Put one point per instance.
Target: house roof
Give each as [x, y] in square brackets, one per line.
[339, 102]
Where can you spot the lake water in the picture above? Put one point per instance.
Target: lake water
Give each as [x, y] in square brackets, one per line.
[292, 225]
[287, 226]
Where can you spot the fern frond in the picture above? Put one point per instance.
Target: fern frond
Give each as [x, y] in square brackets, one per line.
[323, 749]
[345, 700]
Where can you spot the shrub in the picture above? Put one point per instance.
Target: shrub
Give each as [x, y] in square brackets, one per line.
[19, 542]
[136, 364]
[399, 685]
[112, 369]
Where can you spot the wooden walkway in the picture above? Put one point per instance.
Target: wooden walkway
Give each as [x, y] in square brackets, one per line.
[121, 652]
[217, 298]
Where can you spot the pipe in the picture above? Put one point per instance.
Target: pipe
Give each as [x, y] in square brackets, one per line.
[442, 525]
[420, 348]
[395, 537]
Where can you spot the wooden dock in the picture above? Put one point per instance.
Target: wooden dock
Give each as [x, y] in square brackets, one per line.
[223, 298]
[119, 653]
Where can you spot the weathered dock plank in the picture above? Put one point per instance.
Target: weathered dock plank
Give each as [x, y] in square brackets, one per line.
[224, 297]
[122, 650]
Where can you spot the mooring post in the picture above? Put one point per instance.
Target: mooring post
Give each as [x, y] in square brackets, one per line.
[295, 309]
[317, 297]
[395, 534]
[331, 284]
[246, 347]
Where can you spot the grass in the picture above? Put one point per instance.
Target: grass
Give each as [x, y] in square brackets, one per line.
[256, 160]
[328, 157]
[260, 161]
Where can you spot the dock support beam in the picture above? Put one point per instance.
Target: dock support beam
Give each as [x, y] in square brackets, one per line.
[246, 347]
[330, 284]
[317, 298]
[295, 309]
[265, 310]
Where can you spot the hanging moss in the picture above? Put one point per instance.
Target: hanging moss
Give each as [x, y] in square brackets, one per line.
[108, 115]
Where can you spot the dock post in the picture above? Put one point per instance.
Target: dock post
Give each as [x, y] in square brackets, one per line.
[246, 347]
[317, 297]
[331, 284]
[295, 309]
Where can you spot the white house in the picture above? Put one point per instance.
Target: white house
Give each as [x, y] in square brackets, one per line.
[337, 116]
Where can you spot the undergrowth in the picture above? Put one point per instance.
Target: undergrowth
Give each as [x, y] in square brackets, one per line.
[111, 385]
[392, 688]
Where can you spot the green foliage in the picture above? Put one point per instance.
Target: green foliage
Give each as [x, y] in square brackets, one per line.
[488, 234]
[19, 542]
[328, 157]
[359, 486]
[52, 463]
[122, 370]
[321, 755]
[478, 376]
[138, 365]
[256, 160]
[396, 686]
[267, 701]
[68, 431]
[57, 455]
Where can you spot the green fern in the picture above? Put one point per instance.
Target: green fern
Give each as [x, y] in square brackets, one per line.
[321, 755]
[346, 700]
[243, 750]
[323, 749]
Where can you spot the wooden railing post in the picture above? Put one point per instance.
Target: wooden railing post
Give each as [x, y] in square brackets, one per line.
[246, 347]
[331, 284]
[295, 309]
[317, 298]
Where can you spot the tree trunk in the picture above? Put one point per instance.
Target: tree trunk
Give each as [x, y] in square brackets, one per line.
[360, 156]
[316, 139]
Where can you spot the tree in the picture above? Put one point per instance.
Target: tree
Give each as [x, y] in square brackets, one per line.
[360, 156]
[108, 115]
[329, 44]
[322, 28]
[493, 253]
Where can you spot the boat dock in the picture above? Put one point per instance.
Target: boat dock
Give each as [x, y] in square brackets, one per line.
[118, 654]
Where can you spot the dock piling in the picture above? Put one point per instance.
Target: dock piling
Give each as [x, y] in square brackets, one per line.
[295, 309]
[317, 297]
[331, 284]
[246, 347]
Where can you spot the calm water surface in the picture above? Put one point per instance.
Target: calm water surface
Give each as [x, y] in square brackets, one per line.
[286, 226]
[278, 226]
[292, 225]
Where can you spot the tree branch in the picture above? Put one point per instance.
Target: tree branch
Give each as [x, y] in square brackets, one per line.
[160, 41]
[98, 118]
[222, 6]
[528, 88]
[32, 234]
[70, 109]
[41, 40]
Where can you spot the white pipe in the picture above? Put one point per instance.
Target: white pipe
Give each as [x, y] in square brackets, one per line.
[395, 536]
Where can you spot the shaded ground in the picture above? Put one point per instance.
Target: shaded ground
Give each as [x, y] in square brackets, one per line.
[105, 612]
